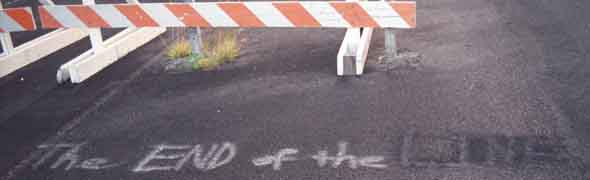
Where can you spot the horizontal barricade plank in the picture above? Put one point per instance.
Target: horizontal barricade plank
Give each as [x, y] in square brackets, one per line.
[16, 19]
[294, 14]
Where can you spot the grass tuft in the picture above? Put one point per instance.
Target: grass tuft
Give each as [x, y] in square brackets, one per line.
[222, 48]
[179, 49]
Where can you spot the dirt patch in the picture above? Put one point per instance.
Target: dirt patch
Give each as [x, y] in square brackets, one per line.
[405, 60]
[259, 47]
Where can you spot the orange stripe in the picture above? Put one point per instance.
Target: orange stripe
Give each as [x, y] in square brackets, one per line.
[47, 20]
[136, 15]
[407, 11]
[241, 14]
[188, 15]
[22, 17]
[354, 14]
[88, 16]
[297, 14]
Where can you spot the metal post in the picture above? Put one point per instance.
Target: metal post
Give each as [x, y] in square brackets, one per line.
[194, 37]
[390, 44]
[6, 40]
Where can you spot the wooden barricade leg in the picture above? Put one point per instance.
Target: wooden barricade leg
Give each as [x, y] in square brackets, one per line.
[5, 40]
[14, 58]
[104, 53]
[353, 52]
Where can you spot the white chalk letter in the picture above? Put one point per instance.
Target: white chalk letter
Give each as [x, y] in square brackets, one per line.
[372, 162]
[276, 160]
[50, 153]
[322, 157]
[230, 151]
[96, 164]
[201, 162]
[155, 155]
[71, 156]
[342, 156]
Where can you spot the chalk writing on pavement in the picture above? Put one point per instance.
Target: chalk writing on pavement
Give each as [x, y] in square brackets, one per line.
[415, 150]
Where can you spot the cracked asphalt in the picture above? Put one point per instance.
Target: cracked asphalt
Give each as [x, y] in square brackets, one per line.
[496, 90]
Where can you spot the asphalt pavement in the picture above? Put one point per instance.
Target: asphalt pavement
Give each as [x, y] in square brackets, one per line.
[493, 90]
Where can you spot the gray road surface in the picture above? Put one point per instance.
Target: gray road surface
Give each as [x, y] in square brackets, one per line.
[498, 92]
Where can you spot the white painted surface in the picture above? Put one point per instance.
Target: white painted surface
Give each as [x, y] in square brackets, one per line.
[88, 2]
[363, 50]
[38, 48]
[63, 15]
[214, 15]
[159, 13]
[117, 19]
[8, 24]
[5, 40]
[325, 14]
[268, 14]
[354, 45]
[96, 39]
[47, 2]
[340, 56]
[384, 14]
[104, 53]
[7, 45]
[347, 48]
[322, 11]
[90, 63]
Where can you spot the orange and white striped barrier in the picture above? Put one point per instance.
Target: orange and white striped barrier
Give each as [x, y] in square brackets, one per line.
[16, 19]
[77, 21]
[337, 14]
